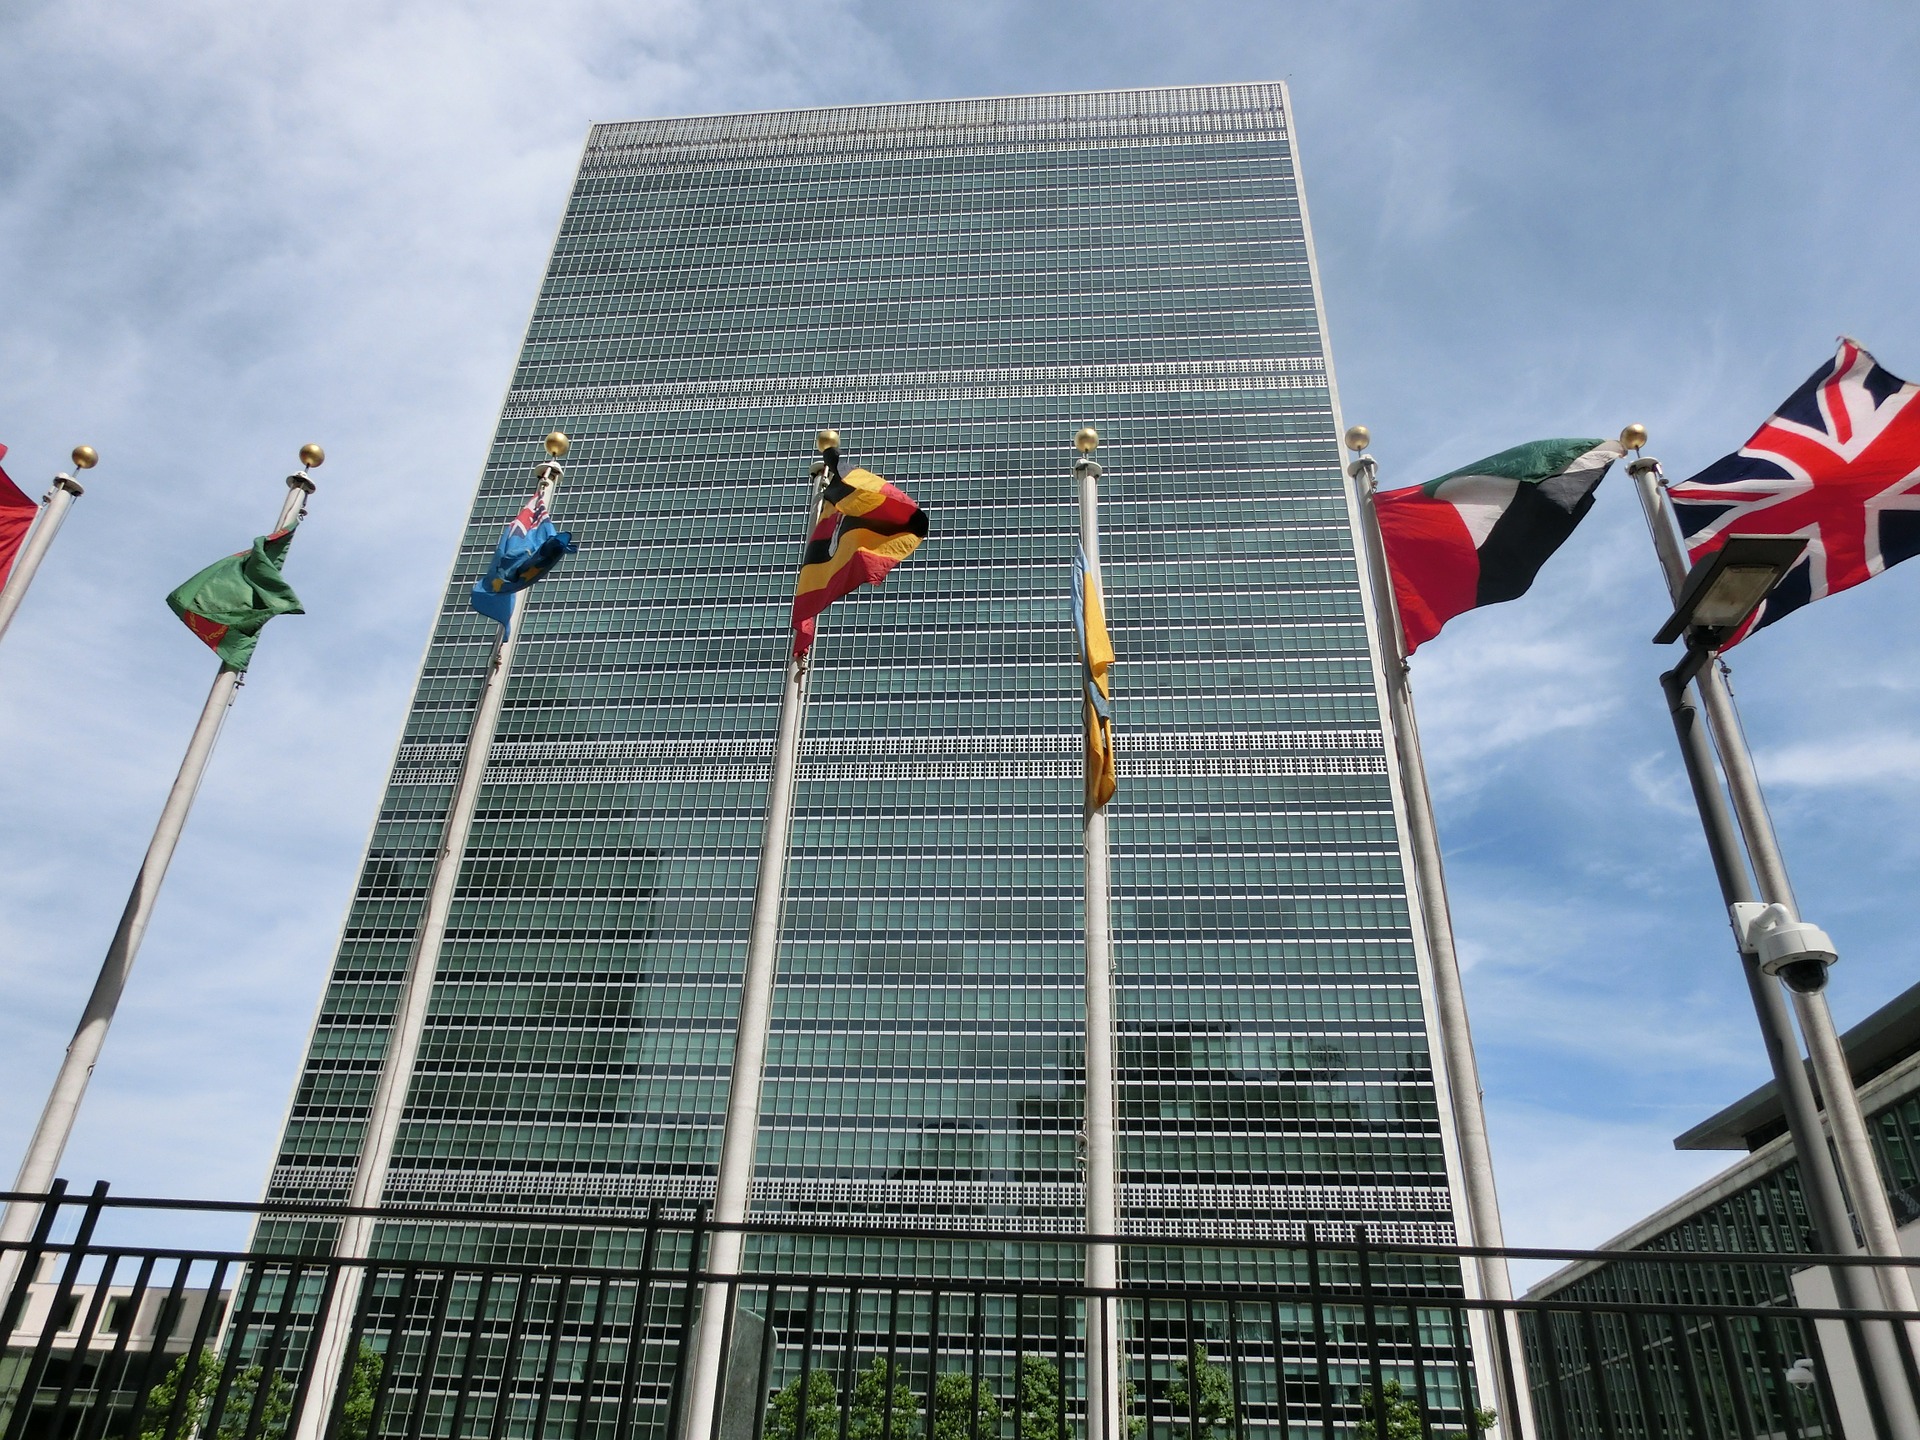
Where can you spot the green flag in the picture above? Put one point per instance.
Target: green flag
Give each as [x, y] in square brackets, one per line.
[227, 603]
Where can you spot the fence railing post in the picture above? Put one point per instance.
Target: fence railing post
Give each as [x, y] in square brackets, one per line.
[1682, 1345]
[689, 1308]
[36, 1368]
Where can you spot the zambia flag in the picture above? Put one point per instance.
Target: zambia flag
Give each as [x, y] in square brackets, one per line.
[229, 603]
[1480, 534]
[1096, 659]
[866, 527]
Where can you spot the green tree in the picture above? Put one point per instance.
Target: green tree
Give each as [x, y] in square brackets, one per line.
[879, 1389]
[960, 1412]
[1039, 1398]
[822, 1420]
[235, 1410]
[1212, 1388]
[1403, 1417]
[363, 1383]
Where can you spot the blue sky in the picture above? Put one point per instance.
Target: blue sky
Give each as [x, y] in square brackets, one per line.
[228, 229]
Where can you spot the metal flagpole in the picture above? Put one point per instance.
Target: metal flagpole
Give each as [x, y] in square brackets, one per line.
[1830, 1068]
[1819, 1180]
[1854, 1151]
[76, 1069]
[355, 1239]
[1450, 1005]
[53, 509]
[741, 1132]
[1105, 1375]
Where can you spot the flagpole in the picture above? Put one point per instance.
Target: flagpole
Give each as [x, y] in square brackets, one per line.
[1105, 1377]
[50, 1136]
[53, 510]
[1449, 996]
[354, 1241]
[1851, 1146]
[740, 1134]
[1819, 1180]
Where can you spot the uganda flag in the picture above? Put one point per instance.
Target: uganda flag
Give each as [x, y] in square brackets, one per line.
[1479, 535]
[866, 527]
[229, 603]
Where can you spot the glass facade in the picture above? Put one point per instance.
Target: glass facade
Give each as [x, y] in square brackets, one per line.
[956, 287]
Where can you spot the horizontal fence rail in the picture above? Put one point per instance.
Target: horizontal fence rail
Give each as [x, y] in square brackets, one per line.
[511, 1325]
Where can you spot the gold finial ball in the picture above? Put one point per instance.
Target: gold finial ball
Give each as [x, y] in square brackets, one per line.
[312, 455]
[1634, 437]
[85, 457]
[1087, 440]
[558, 444]
[1358, 438]
[827, 440]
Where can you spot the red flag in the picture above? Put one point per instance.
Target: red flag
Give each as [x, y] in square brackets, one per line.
[16, 515]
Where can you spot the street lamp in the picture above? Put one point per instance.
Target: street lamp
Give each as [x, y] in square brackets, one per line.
[1724, 588]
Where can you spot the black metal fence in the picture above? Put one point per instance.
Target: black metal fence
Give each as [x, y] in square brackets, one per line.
[505, 1325]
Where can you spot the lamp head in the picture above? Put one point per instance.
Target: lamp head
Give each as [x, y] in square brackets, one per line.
[1726, 587]
[1358, 438]
[311, 455]
[558, 445]
[1634, 437]
[85, 457]
[1087, 440]
[827, 440]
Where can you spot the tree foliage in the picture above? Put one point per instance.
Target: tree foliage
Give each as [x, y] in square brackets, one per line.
[1403, 1417]
[363, 1383]
[963, 1412]
[1199, 1387]
[878, 1388]
[1039, 1407]
[356, 1418]
[201, 1386]
[822, 1418]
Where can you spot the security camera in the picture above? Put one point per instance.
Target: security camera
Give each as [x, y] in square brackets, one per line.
[1791, 949]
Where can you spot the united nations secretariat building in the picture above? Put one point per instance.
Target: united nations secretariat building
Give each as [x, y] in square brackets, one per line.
[955, 287]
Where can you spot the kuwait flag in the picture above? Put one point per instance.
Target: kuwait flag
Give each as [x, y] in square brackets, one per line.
[1479, 535]
[16, 518]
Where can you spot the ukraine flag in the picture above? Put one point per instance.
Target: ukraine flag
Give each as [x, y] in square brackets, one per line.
[1096, 659]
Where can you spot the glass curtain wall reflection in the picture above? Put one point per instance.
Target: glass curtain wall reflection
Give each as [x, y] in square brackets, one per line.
[956, 287]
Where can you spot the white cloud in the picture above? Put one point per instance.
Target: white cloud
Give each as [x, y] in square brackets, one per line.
[1857, 762]
[1570, 1181]
[225, 231]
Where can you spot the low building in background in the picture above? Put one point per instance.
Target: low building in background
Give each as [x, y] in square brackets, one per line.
[1756, 1205]
[111, 1347]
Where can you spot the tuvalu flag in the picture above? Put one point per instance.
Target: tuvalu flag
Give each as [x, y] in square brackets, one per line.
[1096, 661]
[16, 518]
[866, 527]
[1480, 534]
[229, 603]
[529, 547]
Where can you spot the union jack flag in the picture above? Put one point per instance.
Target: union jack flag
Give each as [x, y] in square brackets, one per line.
[1839, 463]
